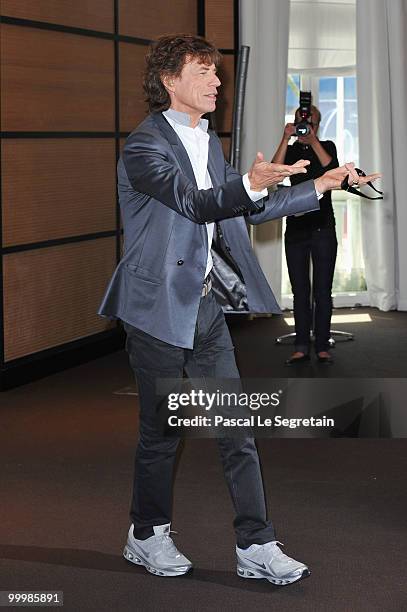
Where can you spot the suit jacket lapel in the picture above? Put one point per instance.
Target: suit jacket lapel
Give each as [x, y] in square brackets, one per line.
[176, 145]
[182, 157]
[215, 163]
[215, 159]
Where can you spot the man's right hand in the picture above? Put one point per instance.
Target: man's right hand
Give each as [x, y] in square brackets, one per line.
[264, 174]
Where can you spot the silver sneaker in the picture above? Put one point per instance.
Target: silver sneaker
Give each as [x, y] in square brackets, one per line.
[158, 554]
[268, 561]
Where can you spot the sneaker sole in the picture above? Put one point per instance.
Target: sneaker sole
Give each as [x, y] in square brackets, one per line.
[243, 572]
[133, 557]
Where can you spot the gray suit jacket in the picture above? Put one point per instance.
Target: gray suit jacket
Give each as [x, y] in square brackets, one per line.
[157, 285]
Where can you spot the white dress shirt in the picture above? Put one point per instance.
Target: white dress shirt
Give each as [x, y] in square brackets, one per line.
[196, 143]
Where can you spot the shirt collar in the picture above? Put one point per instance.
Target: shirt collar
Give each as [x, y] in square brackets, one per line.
[184, 119]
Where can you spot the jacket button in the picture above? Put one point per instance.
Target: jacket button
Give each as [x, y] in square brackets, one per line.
[180, 262]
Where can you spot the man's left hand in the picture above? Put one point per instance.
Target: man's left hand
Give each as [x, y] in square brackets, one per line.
[333, 178]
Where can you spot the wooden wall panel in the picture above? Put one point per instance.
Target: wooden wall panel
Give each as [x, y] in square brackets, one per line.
[52, 295]
[224, 105]
[57, 188]
[152, 19]
[91, 14]
[56, 81]
[219, 23]
[122, 143]
[133, 109]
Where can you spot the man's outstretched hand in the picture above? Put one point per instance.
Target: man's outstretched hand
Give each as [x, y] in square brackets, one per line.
[264, 174]
[333, 178]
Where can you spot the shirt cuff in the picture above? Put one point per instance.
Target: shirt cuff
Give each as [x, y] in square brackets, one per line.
[319, 195]
[253, 195]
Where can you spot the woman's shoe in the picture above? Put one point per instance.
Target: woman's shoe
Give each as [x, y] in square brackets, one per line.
[293, 360]
[325, 357]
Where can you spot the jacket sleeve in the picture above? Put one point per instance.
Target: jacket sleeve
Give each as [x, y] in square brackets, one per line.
[283, 202]
[231, 173]
[286, 201]
[152, 172]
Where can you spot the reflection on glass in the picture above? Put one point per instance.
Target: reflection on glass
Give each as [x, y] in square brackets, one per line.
[293, 93]
[338, 106]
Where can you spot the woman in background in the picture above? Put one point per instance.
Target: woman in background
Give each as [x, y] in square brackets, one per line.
[310, 236]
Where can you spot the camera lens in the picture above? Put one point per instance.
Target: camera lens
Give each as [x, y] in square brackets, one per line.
[302, 129]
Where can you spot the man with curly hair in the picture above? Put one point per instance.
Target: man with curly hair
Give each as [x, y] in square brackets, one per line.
[177, 194]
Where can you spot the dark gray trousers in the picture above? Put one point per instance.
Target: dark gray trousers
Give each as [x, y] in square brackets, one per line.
[212, 356]
[321, 246]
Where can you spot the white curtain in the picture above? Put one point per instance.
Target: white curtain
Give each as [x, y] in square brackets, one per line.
[264, 27]
[322, 37]
[382, 101]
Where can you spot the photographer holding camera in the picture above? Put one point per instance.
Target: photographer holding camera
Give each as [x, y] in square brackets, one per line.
[310, 235]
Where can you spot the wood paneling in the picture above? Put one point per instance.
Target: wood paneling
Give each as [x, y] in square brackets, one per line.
[122, 143]
[224, 105]
[91, 14]
[133, 109]
[56, 81]
[153, 19]
[52, 295]
[219, 26]
[57, 188]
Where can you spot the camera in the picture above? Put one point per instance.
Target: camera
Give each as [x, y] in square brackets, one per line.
[302, 128]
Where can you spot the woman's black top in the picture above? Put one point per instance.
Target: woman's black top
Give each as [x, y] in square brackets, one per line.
[325, 216]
